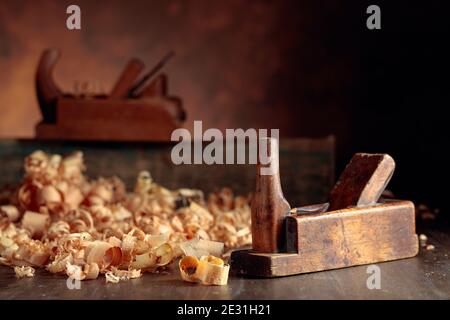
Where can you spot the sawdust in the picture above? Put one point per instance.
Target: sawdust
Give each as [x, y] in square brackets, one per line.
[60, 220]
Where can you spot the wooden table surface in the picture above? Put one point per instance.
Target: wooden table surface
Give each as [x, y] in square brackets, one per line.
[423, 277]
[426, 276]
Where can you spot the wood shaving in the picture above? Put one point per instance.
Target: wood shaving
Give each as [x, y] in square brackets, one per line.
[24, 272]
[35, 223]
[111, 278]
[198, 248]
[117, 275]
[423, 240]
[9, 212]
[60, 220]
[207, 270]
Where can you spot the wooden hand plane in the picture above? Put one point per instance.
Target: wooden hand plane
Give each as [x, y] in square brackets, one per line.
[353, 228]
[135, 110]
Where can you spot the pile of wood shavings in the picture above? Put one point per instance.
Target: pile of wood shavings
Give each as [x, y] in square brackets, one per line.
[59, 220]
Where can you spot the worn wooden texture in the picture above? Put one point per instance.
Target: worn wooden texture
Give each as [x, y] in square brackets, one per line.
[423, 277]
[363, 180]
[356, 230]
[269, 207]
[337, 239]
[146, 119]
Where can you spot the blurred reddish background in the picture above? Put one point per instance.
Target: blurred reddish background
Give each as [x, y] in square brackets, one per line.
[310, 68]
[239, 63]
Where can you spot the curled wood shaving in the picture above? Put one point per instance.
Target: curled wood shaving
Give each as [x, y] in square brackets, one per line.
[111, 277]
[164, 254]
[36, 223]
[77, 272]
[10, 212]
[144, 261]
[91, 270]
[24, 272]
[60, 220]
[58, 229]
[198, 248]
[116, 275]
[207, 270]
[127, 274]
[103, 254]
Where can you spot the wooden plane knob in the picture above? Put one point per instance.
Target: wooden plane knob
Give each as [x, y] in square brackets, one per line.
[269, 207]
[363, 181]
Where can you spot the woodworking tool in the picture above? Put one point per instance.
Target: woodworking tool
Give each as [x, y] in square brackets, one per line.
[353, 228]
[149, 114]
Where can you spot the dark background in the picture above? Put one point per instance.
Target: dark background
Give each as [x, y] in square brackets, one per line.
[404, 94]
[310, 68]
